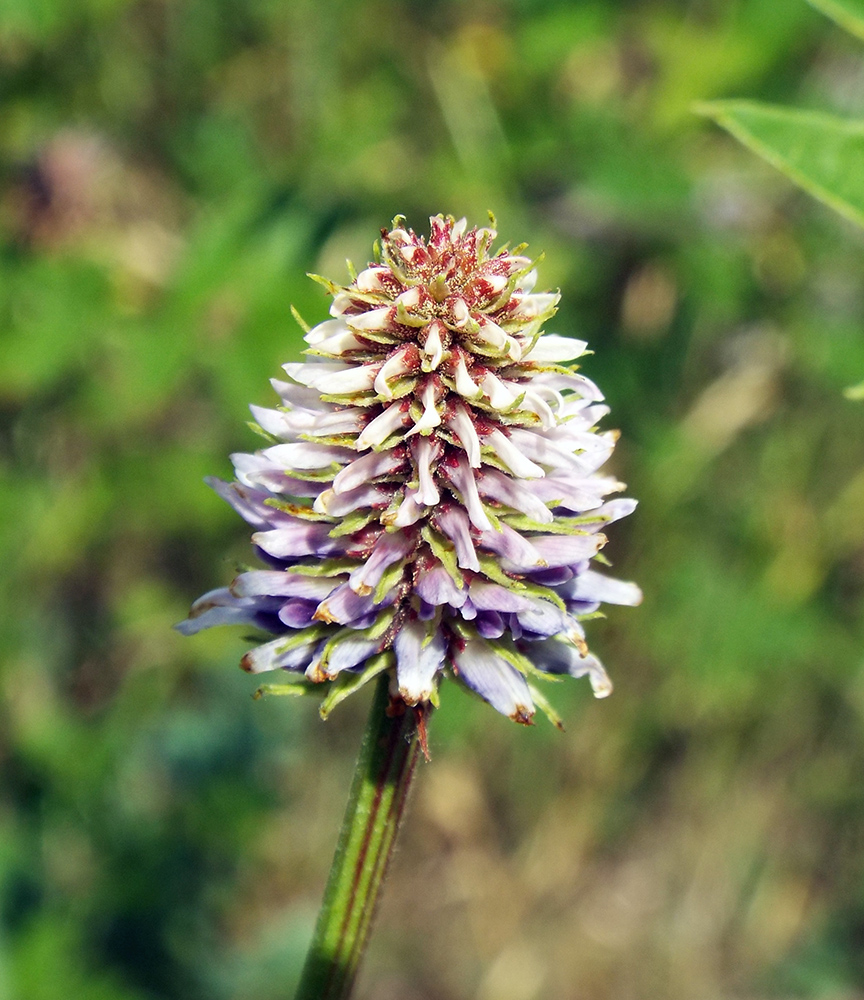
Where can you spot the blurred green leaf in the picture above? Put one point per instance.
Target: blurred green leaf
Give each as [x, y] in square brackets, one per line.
[821, 153]
[849, 14]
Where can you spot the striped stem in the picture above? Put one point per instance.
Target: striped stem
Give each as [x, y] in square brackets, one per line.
[375, 806]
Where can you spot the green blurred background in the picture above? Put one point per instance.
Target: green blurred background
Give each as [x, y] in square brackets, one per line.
[170, 169]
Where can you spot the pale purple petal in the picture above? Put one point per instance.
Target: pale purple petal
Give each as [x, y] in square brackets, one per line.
[303, 455]
[340, 504]
[286, 652]
[239, 497]
[370, 466]
[389, 549]
[514, 548]
[564, 550]
[257, 471]
[544, 618]
[277, 583]
[453, 522]
[519, 496]
[487, 596]
[437, 587]
[297, 613]
[419, 657]
[341, 655]
[592, 587]
[302, 538]
[462, 477]
[346, 607]
[490, 624]
[494, 679]
[558, 657]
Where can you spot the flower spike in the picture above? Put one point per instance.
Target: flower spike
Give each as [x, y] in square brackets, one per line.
[434, 500]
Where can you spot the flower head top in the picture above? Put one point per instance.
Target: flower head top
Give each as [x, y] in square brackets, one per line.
[431, 500]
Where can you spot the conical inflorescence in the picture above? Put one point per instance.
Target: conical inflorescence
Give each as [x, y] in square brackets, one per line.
[432, 497]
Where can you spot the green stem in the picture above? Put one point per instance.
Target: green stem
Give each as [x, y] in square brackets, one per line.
[378, 793]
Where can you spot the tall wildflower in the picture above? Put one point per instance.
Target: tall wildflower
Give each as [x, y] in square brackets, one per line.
[431, 500]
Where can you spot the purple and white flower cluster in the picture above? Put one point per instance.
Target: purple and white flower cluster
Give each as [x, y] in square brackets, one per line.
[431, 499]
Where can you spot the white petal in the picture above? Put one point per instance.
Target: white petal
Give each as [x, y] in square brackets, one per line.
[358, 378]
[314, 423]
[463, 426]
[492, 334]
[370, 466]
[583, 386]
[393, 368]
[410, 511]
[527, 282]
[375, 320]
[311, 372]
[552, 348]
[369, 280]
[425, 453]
[462, 478]
[386, 423]
[433, 348]
[465, 385]
[544, 448]
[461, 314]
[323, 331]
[300, 395]
[512, 457]
[536, 304]
[499, 395]
[272, 421]
[430, 418]
[339, 343]
[305, 455]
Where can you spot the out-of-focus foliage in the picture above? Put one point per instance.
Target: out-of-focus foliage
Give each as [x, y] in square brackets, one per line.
[170, 168]
[849, 14]
[822, 153]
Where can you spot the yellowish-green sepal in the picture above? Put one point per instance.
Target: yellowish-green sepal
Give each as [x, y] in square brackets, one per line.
[291, 689]
[545, 706]
[444, 552]
[352, 522]
[347, 683]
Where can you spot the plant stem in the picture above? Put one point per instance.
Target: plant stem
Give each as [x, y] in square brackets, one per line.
[378, 793]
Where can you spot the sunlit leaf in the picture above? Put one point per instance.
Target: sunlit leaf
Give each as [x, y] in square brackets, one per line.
[849, 14]
[821, 153]
[855, 392]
